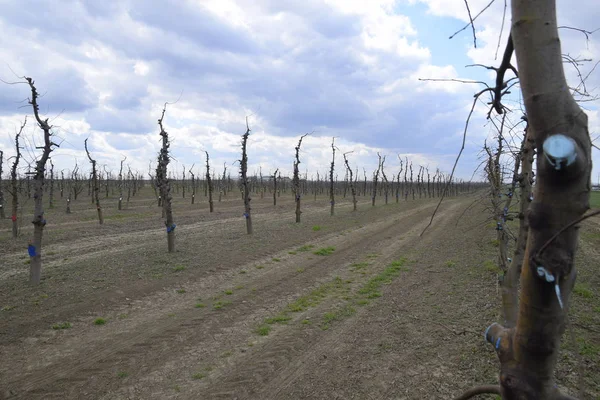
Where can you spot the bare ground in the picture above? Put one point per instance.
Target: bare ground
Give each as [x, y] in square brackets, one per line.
[387, 314]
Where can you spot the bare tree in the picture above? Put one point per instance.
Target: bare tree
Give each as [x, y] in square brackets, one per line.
[275, 187]
[386, 183]
[296, 178]
[193, 183]
[164, 184]
[352, 187]
[120, 206]
[14, 190]
[39, 222]
[331, 182]
[244, 177]
[95, 185]
[2, 213]
[209, 183]
[375, 180]
[559, 128]
[51, 197]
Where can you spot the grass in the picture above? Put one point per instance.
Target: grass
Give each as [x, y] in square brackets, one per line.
[122, 316]
[292, 252]
[198, 375]
[179, 268]
[278, 319]
[359, 266]
[306, 247]
[450, 264]
[180, 291]
[263, 330]
[276, 259]
[64, 325]
[200, 305]
[260, 266]
[122, 374]
[325, 251]
[99, 321]
[595, 199]
[588, 349]
[300, 270]
[371, 289]
[338, 314]
[217, 305]
[243, 271]
[491, 266]
[316, 228]
[582, 290]
[228, 292]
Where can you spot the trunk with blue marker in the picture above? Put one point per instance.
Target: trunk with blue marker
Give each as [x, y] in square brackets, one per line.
[244, 176]
[164, 184]
[39, 222]
[296, 179]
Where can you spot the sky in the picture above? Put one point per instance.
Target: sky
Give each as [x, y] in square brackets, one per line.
[348, 69]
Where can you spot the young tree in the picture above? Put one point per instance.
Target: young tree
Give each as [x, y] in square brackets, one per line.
[244, 182]
[51, 197]
[296, 178]
[2, 213]
[14, 190]
[275, 187]
[39, 222]
[375, 180]
[386, 183]
[352, 187]
[164, 184]
[558, 127]
[120, 205]
[193, 183]
[209, 183]
[331, 182]
[95, 185]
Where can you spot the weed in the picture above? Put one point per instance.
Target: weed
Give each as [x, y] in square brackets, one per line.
[179, 268]
[292, 252]
[373, 255]
[276, 259]
[27, 262]
[490, 266]
[582, 290]
[64, 325]
[122, 316]
[200, 305]
[278, 319]
[239, 287]
[359, 266]
[51, 253]
[226, 354]
[99, 321]
[220, 304]
[7, 308]
[450, 264]
[208, 369]
[495, 242]
[198, 375]
[122, 374]
[362, 302]
[260, 266]
[325, 251]
[588, 349]
[180, 291]
[263, 330]
[336, 315]
[371, 288]
[243, 271]
[228, 292]
[300, 270]
[306, 247]
[316, 228]
[305, 322]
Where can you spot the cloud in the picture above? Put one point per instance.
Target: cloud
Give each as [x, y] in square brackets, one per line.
[343, 68]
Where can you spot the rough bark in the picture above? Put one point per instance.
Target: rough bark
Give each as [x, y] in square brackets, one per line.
[95, 185]
[331, 181]
[351, 182]
[164, 184]
[244, 182]
[2, 212]
[375, 180]
[120, 205]
[559, 129]
[39, 222]
[14, 191]
[209, 183]
[296, 179]
[275, 187]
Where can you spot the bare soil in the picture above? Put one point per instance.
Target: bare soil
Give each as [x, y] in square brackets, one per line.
[383, 313]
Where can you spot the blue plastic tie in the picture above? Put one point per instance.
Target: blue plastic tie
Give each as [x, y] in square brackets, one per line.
[171, 228]
[498, 343]
[31, 250]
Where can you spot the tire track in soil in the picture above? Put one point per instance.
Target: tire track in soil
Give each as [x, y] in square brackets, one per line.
[283, 358]
[151, 345]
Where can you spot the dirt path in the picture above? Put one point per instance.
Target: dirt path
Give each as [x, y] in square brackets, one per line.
[383, 313]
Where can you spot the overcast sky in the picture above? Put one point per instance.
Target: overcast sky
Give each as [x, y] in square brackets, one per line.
[343, 68]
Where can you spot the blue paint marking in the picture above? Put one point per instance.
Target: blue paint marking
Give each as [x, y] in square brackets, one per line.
[171, 228]
[31, 250]
[498, 344]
